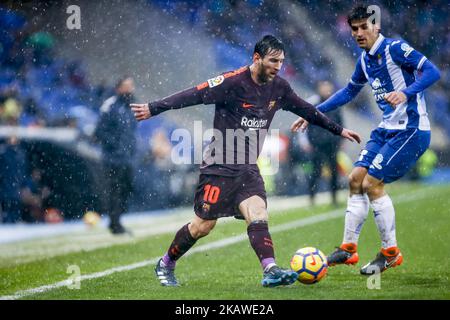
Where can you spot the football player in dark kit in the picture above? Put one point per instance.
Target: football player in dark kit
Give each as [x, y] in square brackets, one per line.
[246, 100]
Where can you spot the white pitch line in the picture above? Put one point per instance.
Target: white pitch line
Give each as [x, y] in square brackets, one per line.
[212, 245]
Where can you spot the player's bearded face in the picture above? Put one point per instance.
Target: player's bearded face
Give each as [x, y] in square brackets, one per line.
[364, 33]
[270, 65]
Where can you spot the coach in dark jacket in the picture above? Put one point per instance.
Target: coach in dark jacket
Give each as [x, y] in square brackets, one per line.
[322, 146]
[116, 134]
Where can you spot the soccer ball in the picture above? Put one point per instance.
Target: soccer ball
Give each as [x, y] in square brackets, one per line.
[310, 264]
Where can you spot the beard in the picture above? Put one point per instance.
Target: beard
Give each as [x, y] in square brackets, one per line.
[262, 74]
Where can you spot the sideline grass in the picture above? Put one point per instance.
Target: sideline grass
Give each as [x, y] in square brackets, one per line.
[233, 273]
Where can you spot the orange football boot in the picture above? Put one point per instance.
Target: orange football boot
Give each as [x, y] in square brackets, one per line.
[345, 254]
[385, 259]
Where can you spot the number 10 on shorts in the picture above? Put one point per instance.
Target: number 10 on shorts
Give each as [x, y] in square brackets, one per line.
[211, 193]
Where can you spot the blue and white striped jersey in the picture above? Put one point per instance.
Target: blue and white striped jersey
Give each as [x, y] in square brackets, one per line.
[392, 65]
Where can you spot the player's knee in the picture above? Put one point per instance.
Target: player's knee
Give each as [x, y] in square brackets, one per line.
[367, 185]
[258, 213]
[355, 182]
[254, 208]
[201, 229]
[371, 186]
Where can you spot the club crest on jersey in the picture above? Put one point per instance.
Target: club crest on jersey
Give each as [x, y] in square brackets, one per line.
[380, 59]
[271, 104]
[214, 82]
[376, 84]
[206, 207]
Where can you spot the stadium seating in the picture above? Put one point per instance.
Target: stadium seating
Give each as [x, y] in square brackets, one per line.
[40, 88]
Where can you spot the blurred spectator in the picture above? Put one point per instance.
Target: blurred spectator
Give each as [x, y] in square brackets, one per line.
[156, 163]
[322, 146]
[13, 168]
[10, 107]
[34, 197]
[42, 44]
[31, 115]
[115, 132]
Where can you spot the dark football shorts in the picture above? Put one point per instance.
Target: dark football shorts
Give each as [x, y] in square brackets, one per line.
[220, 196]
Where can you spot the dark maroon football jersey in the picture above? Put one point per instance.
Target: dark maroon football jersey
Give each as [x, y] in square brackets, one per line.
[244, 111]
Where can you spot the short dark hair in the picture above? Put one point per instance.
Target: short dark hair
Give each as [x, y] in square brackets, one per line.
[268, 43]
[359, 12]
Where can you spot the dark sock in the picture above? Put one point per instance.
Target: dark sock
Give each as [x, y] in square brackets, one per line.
[259, 236]
[182, 242]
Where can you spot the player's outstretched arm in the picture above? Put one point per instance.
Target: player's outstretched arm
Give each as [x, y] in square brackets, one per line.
[340, 98]
[351, 135]
[301, 124]
[141, 111]
[182, 99]
[407, 57]
[292, 102]
[430, 74]
[213, 91]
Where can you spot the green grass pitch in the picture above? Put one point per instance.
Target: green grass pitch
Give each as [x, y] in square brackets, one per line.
[233, 272]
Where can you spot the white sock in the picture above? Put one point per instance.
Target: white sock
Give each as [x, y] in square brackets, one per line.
[384, 213]
[355, 216]
[270, 265]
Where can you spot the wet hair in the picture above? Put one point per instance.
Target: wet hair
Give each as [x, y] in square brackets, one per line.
[358, 13]
[267, 44]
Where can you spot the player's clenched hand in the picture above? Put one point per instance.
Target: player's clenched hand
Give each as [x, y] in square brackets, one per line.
[395, 98]
[141, 111]
[301, 124]
[351, 135]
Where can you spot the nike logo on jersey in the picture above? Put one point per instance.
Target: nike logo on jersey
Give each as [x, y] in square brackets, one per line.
[247, 105]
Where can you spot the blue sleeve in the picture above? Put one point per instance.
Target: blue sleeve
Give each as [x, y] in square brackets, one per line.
[405, 56]
[408, 58]
[359, 76]
[430, 74]
[340, 98]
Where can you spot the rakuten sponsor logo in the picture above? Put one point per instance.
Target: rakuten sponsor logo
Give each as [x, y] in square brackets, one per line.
[252, 145]
[253, 123]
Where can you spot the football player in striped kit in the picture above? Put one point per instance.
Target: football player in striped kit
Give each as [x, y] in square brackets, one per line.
[398, 76]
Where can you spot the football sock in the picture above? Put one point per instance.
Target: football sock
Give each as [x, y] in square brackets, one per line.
[182, 242]
[384, 213]
[355, 216]
[390, 252]
[261, 242]
[349, 247]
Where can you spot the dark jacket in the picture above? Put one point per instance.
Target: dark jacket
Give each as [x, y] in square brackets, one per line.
[12, 171]
[322, 138]
[116, 131]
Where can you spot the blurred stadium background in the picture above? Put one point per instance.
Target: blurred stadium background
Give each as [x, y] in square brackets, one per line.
[53, 81]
